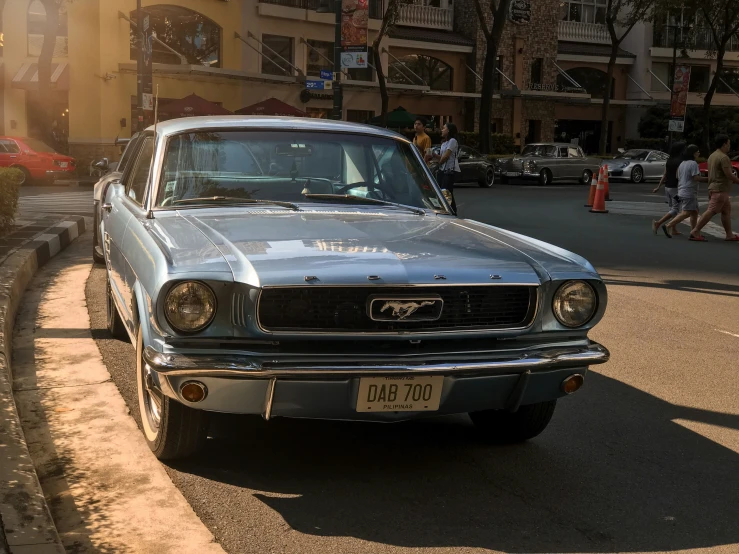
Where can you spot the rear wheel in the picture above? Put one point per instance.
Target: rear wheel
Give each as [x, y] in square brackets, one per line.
[587, 177]
[172, 430]
[509, 427]
[115, 323]
[26, 179]
[489, 179]
[545, 177]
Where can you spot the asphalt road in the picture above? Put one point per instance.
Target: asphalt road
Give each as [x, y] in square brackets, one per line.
[644, 459]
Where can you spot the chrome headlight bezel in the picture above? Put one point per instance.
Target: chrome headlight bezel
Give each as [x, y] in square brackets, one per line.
[560, 299]
[190, 287]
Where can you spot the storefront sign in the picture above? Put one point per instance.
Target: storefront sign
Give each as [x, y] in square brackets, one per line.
[520, 12]
[679, 99]
[354, 23]
[539, 87]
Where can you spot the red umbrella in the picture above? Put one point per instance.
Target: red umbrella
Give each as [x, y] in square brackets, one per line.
[271, 106]
[192, 106]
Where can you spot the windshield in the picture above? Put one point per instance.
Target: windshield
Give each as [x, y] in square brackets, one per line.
[539, 150]
[38, 146]
[228, 166]
[634, 155]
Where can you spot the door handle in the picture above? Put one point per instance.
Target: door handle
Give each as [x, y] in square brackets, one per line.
[107, 207]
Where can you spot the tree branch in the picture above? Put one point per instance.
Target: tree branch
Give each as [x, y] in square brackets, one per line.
[481, 17]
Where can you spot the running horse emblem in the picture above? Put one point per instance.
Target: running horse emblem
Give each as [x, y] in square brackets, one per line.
[403, 310]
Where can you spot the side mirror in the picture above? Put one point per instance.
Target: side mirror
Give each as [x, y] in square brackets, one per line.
[101, 164]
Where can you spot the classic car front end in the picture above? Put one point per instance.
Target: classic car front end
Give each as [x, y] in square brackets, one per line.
[332, 305]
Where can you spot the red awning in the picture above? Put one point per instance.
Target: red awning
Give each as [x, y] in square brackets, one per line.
[271, 106]
[192, 106]
[27, 76]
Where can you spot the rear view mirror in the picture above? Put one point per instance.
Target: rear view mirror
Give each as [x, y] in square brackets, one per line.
[294, 150]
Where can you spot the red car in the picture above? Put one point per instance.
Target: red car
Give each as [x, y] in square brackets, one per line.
[36, 160]
[734, 157]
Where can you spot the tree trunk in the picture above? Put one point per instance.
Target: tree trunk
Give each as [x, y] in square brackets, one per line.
[486, 96]
[607, 99]
[384, 97]
[45, 99]
[720, 53]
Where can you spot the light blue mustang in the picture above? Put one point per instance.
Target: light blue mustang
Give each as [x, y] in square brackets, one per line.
[304, 268]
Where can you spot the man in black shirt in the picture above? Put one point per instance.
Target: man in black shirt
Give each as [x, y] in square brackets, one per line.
[669, 180]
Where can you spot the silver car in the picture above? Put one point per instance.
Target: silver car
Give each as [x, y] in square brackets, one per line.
[637, 166]
[313, 269]
[548, 163]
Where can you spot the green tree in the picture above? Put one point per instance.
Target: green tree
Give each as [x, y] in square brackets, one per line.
[492, 18]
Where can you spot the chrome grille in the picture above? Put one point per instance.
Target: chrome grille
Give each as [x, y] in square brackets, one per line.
[344, 309]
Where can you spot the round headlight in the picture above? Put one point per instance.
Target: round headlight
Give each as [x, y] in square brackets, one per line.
[190, 307]
[574, 303]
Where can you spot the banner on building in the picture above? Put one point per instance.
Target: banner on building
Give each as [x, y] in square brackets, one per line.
[354, 23]
[679, 98]
[147, 71]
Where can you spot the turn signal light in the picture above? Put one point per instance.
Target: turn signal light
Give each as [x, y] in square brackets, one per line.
[572, 383]
[193, 391]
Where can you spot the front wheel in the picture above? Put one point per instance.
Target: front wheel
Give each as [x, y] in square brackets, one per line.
[172, 430]
[519, 426]
[545, 177]
[587, 177]
[637, 174]
[489, 179]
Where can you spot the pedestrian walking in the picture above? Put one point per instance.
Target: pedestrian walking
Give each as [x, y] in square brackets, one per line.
[688, 177]
[449, 160]
[421, 140]
[669, 180]
[720, 177]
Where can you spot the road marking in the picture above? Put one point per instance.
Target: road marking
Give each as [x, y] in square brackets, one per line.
[76, 203]
[727, 333]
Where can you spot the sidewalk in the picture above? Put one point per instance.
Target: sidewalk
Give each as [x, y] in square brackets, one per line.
[26, 525]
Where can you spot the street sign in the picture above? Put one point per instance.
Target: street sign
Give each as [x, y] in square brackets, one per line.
[676, 126]
[315, 85]
[327, 75]
[147, 101]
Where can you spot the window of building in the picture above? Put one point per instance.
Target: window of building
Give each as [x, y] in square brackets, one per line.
[593, 80]
[435, 73]
[187, 32]
[700, 77]
[320, 55]
[731, 76]
[365, 74]
[584, 11]
[136, 186]
[275, 52]
[359, 116]
[537, 71]
[37, 28]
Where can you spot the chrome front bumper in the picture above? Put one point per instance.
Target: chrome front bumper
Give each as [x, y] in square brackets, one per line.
[329, 390]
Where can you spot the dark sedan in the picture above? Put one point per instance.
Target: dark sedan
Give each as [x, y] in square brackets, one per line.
[476, 168]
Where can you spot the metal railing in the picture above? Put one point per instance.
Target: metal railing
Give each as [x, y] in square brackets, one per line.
[427, 17]
[375, 6]
[697, 39]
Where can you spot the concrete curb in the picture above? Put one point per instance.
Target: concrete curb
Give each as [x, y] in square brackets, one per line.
[26, 524]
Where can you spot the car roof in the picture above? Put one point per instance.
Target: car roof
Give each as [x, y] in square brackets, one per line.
[558, 144]
[182, 125]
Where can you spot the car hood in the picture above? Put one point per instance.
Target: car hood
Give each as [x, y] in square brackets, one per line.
[273, 248]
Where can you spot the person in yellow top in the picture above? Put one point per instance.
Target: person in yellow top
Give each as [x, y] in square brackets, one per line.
[421, 140]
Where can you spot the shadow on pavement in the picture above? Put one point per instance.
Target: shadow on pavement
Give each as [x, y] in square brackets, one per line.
[705, 287]
[614, 472]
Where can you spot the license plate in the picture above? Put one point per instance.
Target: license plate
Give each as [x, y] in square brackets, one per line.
[512, 174]
[399, 394]
[63, 164]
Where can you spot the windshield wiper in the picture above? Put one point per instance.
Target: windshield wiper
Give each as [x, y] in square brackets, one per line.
[237, 200]
[362, 199]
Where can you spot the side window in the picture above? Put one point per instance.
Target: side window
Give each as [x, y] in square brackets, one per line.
[11, 146]
[127, 154]
[139, 177]
[2, 147]
[562, 152]
[573, 152]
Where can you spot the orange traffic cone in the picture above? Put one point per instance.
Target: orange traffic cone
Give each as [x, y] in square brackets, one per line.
[593, 188]
[605, 183]
[599, 206]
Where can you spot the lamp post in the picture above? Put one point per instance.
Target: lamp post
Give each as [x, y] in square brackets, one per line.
[325, 7]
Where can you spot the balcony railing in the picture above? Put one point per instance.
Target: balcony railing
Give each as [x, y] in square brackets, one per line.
[697, 39]
[576, 31]
[375, 6]
[427, 17]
